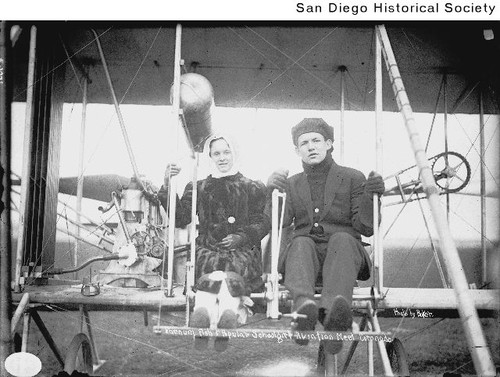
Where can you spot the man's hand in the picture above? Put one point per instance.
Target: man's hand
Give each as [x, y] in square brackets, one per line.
[374, 184]
[278, 180]
[171, 171]
[231, 242]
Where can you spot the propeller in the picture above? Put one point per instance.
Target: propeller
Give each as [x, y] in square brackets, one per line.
[97, 187]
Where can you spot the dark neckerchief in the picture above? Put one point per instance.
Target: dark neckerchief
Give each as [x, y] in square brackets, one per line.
[322, 168]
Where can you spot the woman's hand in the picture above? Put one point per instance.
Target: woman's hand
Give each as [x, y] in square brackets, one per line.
[231, 242]
[171, 171]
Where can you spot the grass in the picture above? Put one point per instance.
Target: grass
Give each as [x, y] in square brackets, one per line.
[433, 347]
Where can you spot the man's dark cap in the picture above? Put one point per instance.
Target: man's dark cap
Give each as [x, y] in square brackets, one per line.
[312, 125]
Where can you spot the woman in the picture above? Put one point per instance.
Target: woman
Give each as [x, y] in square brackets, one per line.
[230, 210]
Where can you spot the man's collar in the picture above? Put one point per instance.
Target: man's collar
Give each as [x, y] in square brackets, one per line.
[322, 167]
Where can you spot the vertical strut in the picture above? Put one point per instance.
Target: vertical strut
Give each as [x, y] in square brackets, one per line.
[191, 265]
[79, 187]
[342, 111]
[481, 356]
[378, 251]
[276, 232]
[173, 180]
[6, 344]
[484, 269]
[26, 331]
[380, 343]
[27, 150]
[446, 160]
[369, 352]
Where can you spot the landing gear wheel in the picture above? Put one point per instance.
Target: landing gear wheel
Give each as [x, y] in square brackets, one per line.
[451, 171]
[397, 357]
[79, 355]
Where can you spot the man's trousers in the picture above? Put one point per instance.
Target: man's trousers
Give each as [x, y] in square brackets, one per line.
[337, 262]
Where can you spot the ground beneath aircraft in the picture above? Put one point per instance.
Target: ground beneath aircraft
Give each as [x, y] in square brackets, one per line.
[434, 346]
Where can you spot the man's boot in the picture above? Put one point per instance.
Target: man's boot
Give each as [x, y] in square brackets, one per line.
[339, 318]
[308, 310]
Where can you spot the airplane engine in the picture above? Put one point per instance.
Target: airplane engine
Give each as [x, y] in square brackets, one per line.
[143, 221]
[140, 226]
[196, 102]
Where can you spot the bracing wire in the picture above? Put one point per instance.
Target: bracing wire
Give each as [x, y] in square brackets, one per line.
[259, 52]
[62, 63]
[43, 76]
[434, 116]
[71, 63]
[72, 248]
[358, 89]
[420, 331]
[295, 62]
[436, 257]
[355, 84]
[453, 211]
[104, 329]
[473, 144]
[123, 97]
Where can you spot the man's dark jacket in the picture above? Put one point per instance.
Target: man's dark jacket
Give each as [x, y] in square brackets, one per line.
[347, 208]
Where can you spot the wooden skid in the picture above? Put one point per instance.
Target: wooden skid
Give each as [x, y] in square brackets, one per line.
[394, 298]
[109, 296]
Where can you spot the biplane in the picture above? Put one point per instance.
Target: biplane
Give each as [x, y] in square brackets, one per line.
[146, 263]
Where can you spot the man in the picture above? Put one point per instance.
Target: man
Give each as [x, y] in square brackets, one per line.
[330, 207]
